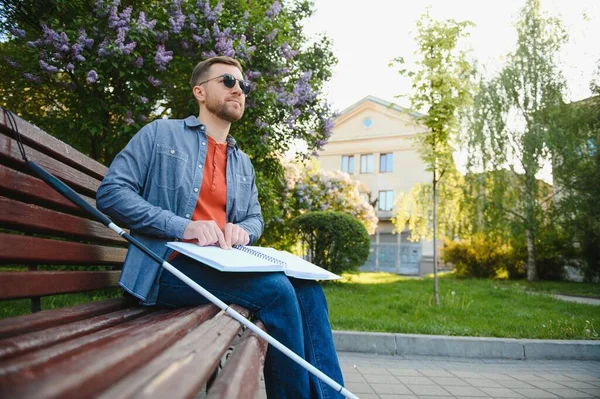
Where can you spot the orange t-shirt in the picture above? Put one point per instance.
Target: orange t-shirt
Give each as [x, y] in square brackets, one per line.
[212, 200]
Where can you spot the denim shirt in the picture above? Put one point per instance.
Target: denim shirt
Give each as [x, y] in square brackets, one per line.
[152, 187]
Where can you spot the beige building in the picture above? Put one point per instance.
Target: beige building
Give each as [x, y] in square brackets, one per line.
[373, 140]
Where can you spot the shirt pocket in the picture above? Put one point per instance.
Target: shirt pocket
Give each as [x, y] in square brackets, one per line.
[170, 167]
[243, 192]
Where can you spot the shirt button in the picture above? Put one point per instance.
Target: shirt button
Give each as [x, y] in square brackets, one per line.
[200, 166]
[204, 143]
[243, 179]
[195, 190]
[172, 151]
[187, 215]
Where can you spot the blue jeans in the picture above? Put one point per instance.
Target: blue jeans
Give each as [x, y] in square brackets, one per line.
[294, 313]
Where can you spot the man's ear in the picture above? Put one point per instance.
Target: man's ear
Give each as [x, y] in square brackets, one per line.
[199, 93]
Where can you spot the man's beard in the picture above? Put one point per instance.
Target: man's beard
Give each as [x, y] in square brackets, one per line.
[224, 110]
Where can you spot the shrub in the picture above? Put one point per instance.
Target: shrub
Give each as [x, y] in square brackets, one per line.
[483, 258]
[336, 241]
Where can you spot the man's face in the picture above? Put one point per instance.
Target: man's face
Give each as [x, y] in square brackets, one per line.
[226, 103]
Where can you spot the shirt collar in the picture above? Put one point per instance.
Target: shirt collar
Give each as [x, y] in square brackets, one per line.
[192, 121]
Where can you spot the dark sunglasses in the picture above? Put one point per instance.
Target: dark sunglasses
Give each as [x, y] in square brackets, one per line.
[229, 81]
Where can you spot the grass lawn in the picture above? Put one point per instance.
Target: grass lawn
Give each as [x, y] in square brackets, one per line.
[382, 302]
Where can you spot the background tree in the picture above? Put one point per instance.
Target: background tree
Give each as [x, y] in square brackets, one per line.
[441, 89]
[508, 128]
[93, 78]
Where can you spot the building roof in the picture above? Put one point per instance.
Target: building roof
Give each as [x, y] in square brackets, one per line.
[384, 103]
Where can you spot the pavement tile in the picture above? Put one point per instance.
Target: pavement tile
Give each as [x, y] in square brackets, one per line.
[556, 377]
[465, 391]
[415, 380]
[372, 370]
[483, 382]
[501, 392]
[437, 397]
[591, 391]
[405, 372]
[450, 381]
[359, 387]
[512, 384]
[546, 384]
[568, 393]
[535, 393]
[497, 377]
[391, 389]
[528, 377]
[354, 377]
[394, 396]
[436, 373]
[466, 374]
[584, 377]
[369, 396]
[429, 390]
[347, 369]
[380, 379]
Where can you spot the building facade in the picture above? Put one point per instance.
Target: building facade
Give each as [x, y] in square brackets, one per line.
[373, 141]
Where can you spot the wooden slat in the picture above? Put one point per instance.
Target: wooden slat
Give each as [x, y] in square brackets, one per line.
[50, 318]
[35, 190]
[46, 357]
[37, 138]
[33, 250]
[33, 218]
[240, 378]
[74, 178]
[92, 371]
[13, 346]
[27, 284]
[184, 367]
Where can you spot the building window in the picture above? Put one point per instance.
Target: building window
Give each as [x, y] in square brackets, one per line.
[367, 122]
[386, 200]
[366, 163]
[386, 163]
[348, 163]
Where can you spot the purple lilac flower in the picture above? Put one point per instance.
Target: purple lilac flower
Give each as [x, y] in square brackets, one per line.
[139, 62]
[274, 10]
[184, 44]
[92, 76]
[103, 50]
[162, 57]
[246, 15]
[20, 33]
[79, 58]
[31, 77]
[162, 37]
[143, 24]
[192, 18]
[121, 20]
[70, 67]
[128, 48]
[44, 66]
[271, 36]
[259, 123]
[129, 118]
[143, 100]
[33, 44]
[84, 40]
[153, 81]
[224, 46]
[177, 19]
[252, 75]
[208, 54]
[11, 62]
[288, 52]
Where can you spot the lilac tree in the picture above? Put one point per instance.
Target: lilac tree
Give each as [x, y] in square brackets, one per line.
[93, 73]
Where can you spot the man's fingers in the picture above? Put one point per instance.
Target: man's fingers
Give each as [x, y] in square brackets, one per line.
[221, 238]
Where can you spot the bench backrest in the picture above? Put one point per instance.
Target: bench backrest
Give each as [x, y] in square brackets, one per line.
[40, 227]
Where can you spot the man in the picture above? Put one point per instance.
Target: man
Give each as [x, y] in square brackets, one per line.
[187, 179]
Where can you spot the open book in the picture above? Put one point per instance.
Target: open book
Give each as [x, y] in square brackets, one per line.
[253, 259]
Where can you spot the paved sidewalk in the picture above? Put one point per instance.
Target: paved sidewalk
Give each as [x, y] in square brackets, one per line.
[372, 376]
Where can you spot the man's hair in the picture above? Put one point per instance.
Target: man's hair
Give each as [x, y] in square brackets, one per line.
[203, 66]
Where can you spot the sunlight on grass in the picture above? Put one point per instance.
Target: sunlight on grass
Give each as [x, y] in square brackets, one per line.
[371, 278]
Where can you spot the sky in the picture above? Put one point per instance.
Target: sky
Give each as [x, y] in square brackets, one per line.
[367, 35]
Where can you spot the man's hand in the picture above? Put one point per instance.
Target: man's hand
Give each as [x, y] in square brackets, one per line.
[235, 235]
[206, 232]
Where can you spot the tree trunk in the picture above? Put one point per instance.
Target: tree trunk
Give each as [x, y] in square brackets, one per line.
[531, 270]
[435, 276]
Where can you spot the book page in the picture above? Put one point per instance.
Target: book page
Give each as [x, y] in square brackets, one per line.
[232, 260]
[298, 267]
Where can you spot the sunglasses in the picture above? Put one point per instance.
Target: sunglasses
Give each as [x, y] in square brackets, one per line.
[229, 81]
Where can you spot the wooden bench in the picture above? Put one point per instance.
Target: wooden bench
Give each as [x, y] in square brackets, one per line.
[111, 348]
